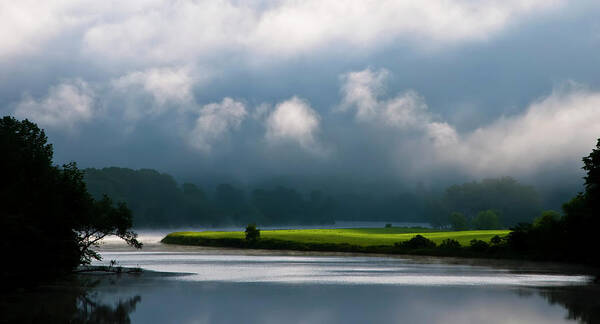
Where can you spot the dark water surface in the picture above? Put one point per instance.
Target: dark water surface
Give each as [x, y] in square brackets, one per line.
[207, 285]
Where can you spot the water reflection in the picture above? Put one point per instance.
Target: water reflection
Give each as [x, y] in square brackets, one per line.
[228, 287]
[75, 300]
[582, 303]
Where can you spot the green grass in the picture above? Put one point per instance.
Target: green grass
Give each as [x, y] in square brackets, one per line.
[354, 236]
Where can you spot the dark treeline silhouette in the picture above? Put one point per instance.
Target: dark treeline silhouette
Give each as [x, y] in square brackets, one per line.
[488, 204]
[157, 200]
[571, 236]
[50, 223]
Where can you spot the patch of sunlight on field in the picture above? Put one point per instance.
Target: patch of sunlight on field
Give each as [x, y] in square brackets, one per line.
[358, 236]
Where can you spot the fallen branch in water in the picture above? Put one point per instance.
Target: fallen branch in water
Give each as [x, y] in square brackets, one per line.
[107, 269]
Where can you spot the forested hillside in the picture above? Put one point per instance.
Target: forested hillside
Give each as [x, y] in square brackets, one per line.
[158, 200]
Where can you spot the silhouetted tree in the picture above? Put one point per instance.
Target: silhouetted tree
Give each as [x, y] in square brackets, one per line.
[47, 216]
[252, 233]
[417, 242]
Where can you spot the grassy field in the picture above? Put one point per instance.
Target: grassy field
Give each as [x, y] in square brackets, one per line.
[353, 236]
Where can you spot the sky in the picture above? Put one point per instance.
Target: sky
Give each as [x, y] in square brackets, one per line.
[430, 92]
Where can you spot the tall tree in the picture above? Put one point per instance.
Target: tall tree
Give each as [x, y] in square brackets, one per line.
[48, 218]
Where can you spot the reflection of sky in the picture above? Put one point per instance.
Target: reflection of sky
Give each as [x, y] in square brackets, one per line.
[167, 301]
[230, 286]
[331, 270]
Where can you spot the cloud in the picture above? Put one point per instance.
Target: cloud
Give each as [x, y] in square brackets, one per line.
[25, 25]
[167, 32]
[168, 87]
[294, 121]
[553, 131]
[215, 120]
[408, 112]
[66, 105]
[164, 84]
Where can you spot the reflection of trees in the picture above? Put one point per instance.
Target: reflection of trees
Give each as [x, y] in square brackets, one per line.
[582, 303]
[69, 302]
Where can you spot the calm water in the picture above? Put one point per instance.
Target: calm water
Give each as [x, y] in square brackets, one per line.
[203, 285]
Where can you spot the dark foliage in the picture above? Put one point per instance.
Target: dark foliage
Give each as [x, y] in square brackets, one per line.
[47, 216]
[252, 233]
[486, 220]
[450, 244]
[511, 201]
[571, 237]
[479, 245]
[417, 242]
[458, 222]
[157, 200]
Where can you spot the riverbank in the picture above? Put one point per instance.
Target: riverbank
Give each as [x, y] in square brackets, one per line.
[358, 240]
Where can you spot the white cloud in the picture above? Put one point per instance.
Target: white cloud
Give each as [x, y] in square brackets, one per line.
[65, 106]
[178, 31]
[28, 26]
[554, 131]
[294, 120]
[362, 92]
[164, 84]
[215, 120]
[25, 24]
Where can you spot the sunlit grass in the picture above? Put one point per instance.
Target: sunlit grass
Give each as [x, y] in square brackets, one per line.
[354, 236]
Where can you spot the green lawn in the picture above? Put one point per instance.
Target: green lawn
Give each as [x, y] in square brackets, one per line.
[354, 236]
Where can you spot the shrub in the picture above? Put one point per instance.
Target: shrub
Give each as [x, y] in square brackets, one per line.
[547, 220]
[388, 225]
[252, 233]
[479, 245]
[417, 242]
[450, 244]
[496, 240]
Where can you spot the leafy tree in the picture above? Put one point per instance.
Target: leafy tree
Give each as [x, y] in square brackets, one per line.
[252, 233]
[47, 216]
[458, 221]
[486, 220]
[548, 218]
[591, 164]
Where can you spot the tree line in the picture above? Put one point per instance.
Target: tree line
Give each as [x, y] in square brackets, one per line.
[158, 200]
[487, 204]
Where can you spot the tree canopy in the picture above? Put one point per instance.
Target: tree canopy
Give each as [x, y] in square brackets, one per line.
[47, 216]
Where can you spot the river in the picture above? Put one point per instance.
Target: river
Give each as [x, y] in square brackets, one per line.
[210, 285]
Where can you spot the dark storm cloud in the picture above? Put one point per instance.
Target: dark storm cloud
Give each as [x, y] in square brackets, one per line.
[269, 89]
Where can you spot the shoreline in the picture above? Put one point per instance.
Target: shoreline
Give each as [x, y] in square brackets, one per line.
[459, 257]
